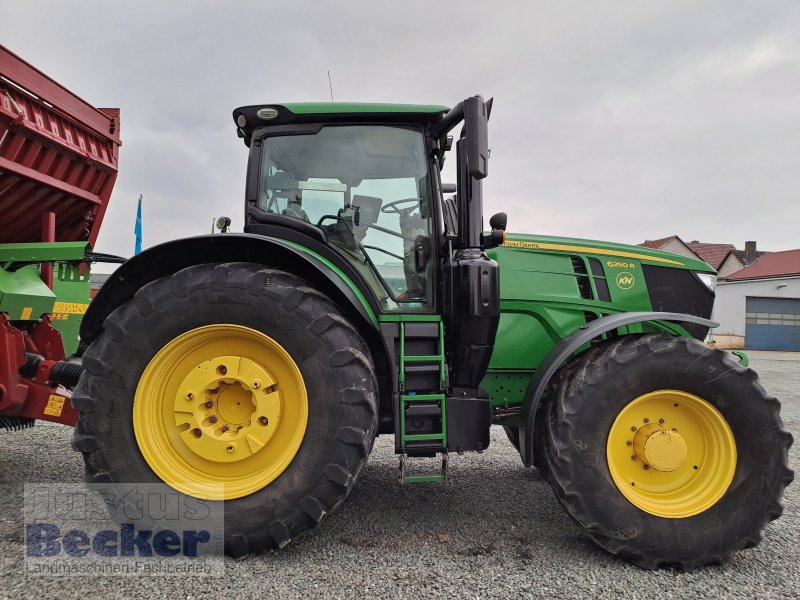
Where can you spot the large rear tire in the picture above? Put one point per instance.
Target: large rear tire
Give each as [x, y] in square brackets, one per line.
[665, 451]
[238, 375]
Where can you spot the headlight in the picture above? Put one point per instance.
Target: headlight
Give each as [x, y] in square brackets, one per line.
[709, 280]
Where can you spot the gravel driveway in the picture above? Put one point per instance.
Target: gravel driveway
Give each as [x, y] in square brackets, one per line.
[494, 530]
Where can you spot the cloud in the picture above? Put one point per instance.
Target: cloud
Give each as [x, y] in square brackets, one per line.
[612, 120]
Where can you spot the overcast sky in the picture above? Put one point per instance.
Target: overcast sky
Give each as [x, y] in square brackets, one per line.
[619, 121]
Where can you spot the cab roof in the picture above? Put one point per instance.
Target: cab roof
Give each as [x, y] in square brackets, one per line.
[249, 118]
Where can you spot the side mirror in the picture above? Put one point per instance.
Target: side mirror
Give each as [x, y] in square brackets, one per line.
[498, 234]
[499, 221]
[475, 123]
[223, 224]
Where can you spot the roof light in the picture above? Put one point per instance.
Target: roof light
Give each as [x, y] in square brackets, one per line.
[241, 121]
[266, 113]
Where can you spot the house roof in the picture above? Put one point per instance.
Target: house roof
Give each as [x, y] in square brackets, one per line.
[659, 243]
[742, 256]
[772, 264]
[713, 254]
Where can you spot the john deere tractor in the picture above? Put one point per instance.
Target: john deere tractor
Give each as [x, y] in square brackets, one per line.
[363, 299]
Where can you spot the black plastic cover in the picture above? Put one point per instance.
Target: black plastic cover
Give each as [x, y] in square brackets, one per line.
[468, 422]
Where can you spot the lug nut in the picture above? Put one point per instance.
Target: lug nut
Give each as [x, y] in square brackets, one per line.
[634, 457]
[661, 421]
[646, 467]
[210, 404]
[225, 428]
[212, 419]
[222, 370]
[629, 443]
[646, 420]
[633, 428]
[263, 420]
[196, 433]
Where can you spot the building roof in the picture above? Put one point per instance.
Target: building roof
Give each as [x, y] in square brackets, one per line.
[713, 254]
[659, 243]
[742, 256]
[772, 264]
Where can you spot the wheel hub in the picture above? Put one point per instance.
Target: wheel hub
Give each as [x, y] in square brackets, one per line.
[227, 408]
[671, 453]
[660, 448]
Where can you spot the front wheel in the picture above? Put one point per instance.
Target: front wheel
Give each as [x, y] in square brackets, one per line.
[234, 382]
[665, 451]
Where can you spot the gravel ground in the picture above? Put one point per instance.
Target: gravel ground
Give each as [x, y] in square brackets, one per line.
[494, 530]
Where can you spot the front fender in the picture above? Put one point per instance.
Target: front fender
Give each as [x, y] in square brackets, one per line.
[561, 352]
[168, 258]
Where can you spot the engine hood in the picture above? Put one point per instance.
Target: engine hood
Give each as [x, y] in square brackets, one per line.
[572, 245]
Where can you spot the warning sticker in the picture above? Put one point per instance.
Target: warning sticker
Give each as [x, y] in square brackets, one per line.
[72, 308]
[55, 404]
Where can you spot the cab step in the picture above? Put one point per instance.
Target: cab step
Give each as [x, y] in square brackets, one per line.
[440, 477]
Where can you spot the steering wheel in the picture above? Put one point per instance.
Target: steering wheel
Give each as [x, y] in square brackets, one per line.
[394, 206]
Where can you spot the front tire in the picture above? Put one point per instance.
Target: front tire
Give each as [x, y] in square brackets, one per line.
[665, 451]
[234, 375]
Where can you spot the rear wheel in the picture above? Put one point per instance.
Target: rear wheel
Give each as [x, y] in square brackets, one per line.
[665, 451]
[237, 382]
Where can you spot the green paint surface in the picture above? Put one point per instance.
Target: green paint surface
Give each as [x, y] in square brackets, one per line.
[607, 251]
[24, 289]
[42, 252]
[71, 287]
[335, 108]
[342, 276]
[541, 301]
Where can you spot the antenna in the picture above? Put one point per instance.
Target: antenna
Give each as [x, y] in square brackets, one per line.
[330, 85]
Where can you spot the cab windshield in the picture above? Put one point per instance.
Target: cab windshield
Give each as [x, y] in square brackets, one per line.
[366, 187]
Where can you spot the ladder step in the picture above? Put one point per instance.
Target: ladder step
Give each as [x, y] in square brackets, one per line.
[423, 358]
[416, 410]
[430, 478]
[424, 478]
[419, 397]
[423, 368]
[423, 437]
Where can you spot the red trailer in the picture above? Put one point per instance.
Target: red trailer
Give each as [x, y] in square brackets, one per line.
[58, 165]
[57, 154]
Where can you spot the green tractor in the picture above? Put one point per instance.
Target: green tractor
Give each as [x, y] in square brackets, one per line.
[362, 299]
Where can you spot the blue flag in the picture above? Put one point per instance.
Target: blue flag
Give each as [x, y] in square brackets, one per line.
[137, 230]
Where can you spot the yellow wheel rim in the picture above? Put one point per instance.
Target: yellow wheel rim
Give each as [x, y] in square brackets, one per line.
[220, 411]
[671, 454]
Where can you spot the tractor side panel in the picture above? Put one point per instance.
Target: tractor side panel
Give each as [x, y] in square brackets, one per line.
[544, 296]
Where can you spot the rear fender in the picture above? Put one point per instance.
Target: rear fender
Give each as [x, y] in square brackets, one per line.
[169, 258]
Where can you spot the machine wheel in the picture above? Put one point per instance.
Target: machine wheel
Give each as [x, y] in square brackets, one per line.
[665, 451]
[233, 374]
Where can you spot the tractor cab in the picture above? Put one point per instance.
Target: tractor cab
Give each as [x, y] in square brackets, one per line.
[367, 190]
[361, 185]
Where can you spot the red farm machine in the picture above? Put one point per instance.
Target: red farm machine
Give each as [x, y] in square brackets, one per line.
[58, 165]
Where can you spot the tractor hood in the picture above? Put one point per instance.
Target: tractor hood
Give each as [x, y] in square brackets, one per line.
[605, 249]
[573, 277]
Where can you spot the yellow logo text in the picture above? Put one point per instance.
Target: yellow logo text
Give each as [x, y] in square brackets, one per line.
[625, 280]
